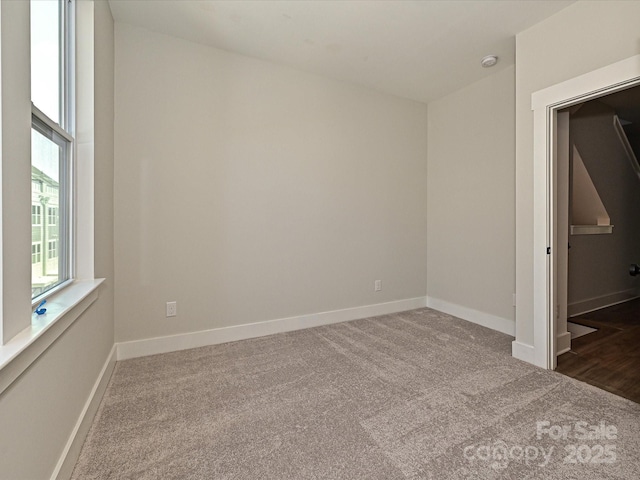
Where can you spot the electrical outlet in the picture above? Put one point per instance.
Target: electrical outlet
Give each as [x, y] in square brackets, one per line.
[513, 300]
[377, 286]
[172, 309]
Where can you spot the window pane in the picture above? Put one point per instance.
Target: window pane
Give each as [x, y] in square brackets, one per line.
[46, 199]
[45, 57]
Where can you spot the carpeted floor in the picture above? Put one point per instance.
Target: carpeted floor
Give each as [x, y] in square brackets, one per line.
[415, 395]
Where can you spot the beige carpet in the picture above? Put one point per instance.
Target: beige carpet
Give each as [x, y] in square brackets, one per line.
[416, 395]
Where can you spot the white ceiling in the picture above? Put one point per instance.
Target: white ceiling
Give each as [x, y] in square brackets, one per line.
[420, 50]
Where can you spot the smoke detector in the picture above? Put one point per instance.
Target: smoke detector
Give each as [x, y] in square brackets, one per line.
[489, 61]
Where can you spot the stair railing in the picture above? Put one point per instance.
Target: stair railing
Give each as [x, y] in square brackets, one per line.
[622, 135]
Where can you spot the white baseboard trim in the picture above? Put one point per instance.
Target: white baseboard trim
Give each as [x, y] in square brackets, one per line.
[493, 322]
[563, 342]
[184, 341]
[603, 301]
[71, 451]
[523, 352]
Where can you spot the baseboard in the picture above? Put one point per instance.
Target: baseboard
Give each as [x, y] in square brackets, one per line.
[71, 451]
[603, 301]
[563, 343]
[172, 343]
[493, 322]
[523, 352]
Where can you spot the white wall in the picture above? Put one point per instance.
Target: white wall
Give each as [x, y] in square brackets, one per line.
[581, 38]
[247, 191]
[15, 144]
[471, 213]
[104, 77]
[40, 409]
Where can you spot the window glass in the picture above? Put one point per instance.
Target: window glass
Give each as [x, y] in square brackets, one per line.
[46, 49]
[46, 169]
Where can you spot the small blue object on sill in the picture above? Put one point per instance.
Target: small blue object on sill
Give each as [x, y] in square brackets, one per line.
[40, 310]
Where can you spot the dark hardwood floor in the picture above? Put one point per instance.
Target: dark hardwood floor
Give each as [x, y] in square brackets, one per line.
[610, 357]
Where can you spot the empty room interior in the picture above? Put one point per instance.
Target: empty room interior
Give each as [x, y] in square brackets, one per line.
[319, 239]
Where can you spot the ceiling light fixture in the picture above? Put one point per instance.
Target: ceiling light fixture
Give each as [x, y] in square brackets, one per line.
[489, 61]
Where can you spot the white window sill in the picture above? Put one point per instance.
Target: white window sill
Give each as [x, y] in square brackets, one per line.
[63, 309]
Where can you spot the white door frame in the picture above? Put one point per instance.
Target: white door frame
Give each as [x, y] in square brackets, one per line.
[545, 104]
[560, 245]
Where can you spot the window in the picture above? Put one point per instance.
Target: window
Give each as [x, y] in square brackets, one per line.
[52, 251]
[52, 218]
[51, 145]
[17, 350]
[36, 256]
[36, 216]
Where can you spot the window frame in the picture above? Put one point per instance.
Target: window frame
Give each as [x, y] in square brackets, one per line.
[52, 131]
[62, 134]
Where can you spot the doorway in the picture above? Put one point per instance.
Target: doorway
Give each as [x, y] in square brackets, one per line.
[598, 238]
[545, 105]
